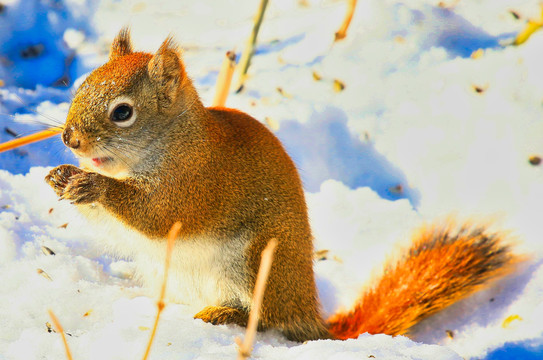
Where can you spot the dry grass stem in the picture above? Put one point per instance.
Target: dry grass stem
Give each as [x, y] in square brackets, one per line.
[224, 79]
[260, 286]
[342, 32]
[245, 60]
[60, 330]
[172, 235]
[24, 140]
[531, 27]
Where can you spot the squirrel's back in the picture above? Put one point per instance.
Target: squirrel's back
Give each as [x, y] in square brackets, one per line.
[274, 207]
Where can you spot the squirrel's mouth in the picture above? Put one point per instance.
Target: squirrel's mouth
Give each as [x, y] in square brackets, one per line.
[105, 165]
[101, 161]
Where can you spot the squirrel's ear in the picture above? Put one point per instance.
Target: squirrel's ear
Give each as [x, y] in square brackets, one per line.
[166, 71]
[121, 45]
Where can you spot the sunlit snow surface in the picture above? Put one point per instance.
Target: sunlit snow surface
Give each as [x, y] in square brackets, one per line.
[409, 115]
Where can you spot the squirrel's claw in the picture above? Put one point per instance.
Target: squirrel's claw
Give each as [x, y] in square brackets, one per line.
[83, 188]
[71, 183]
[59, 177]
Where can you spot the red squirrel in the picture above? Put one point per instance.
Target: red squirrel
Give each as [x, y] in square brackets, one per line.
[152, 154]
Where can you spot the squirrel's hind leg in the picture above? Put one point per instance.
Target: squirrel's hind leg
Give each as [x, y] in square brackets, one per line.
[220, 315]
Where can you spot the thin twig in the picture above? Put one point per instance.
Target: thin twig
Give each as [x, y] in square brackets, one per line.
[224, 79]
[172, 235]
[60, 330]
[245, 60]
[42, 135]
[246, 346]
[342, 32]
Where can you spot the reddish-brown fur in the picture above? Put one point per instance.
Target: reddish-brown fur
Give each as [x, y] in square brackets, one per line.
[443, 265]
[226, 177]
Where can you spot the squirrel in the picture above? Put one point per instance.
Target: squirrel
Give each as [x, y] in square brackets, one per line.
[152, 154]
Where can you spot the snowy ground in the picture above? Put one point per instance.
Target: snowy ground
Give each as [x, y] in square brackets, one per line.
[456, 133]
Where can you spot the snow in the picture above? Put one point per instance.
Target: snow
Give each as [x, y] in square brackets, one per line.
[408, 115]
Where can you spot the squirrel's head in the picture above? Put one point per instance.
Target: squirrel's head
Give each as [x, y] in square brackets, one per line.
[126, 105]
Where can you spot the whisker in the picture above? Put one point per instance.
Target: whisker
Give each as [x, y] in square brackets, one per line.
[31, 132]
[70, 89]
[118, 155]
[35, 111]
[14, 116]
[32, 120]
[38, 126]
[60, 153]
[106, 149]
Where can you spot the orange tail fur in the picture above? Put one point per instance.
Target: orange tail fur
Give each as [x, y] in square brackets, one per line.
[444, 265]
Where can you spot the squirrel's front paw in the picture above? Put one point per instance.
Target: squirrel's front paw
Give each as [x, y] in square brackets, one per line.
[59, 177]
[72, 183]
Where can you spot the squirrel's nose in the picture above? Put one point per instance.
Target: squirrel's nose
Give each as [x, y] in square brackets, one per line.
[69, 139]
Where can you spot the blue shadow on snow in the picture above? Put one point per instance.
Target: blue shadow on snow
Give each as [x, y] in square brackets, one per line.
[516, 351]
[323, 148]
[459, 36]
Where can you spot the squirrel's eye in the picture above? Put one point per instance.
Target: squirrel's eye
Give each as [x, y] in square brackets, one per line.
[122, 112]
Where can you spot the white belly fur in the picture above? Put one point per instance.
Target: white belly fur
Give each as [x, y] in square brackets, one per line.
[203, 271]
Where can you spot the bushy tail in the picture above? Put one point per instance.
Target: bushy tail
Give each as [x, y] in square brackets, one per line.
[443, 265]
